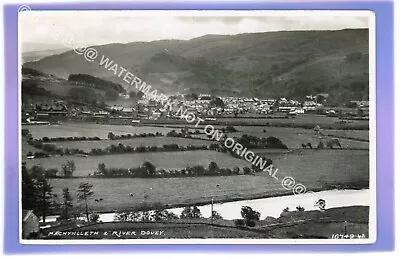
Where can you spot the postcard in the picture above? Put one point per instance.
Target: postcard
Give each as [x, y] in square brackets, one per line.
[197, 127]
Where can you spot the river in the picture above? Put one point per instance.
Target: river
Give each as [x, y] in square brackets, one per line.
[273, 206]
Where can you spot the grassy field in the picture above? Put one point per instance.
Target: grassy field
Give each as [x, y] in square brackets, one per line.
[294, 137]
[164, 160]
[89, 130]
[307, 224]
[360, 134]
[155, 230]
[316, 169]
[136, 142]
[302, 121]
[323, 224]
[26, 148]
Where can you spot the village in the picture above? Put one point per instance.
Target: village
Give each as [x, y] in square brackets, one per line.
[203, 105]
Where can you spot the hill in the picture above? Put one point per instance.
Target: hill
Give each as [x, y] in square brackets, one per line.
[270, 64]
[40, 87]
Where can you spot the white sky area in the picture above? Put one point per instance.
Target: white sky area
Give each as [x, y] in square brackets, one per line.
[102, 27]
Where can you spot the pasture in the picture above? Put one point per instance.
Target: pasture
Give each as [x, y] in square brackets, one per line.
[315, 169]
[294, 137]
[162, 160]
[299, 121]
[135, 142]
[89, 130]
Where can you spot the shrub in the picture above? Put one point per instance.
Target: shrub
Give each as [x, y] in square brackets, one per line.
[229, 129]
[249, 214]
[190, 213]
[239, 223]
[216, 215]
[94, 217]
[250, 223]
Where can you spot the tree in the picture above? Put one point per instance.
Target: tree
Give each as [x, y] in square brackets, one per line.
[216, 215]
[101, 168]
[190, 213]
[286, 209]
[85, 190]
[94, 217]
[139, 95]
[37, 172]
[51, 173]
[45, 197]
[111, 135]
[149, 167]
[68, 168]
[246, 170]
[29, 191]
[299, 208]
[239, 223]
[250, 215]
[67, 205]
[217, 102]
[213, 167]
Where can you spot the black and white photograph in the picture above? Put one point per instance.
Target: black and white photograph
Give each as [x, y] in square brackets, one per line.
[190, 127]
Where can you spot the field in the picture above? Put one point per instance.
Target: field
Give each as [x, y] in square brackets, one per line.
[164, 160]
[316, 169]
[294, 137]
[136, 142]
[308, 121]
[89, 130]
[308, 224]
[155, 230]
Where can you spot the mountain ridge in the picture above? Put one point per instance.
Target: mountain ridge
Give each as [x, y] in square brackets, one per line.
[270, 64]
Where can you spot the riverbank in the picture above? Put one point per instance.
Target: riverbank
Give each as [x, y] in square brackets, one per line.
[270, 205]
[350, 222]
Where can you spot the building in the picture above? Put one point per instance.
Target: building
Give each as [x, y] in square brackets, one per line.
[58, 109]
[30, 224]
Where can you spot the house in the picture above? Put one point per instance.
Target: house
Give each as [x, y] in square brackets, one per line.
[30, 224]
[58, 109]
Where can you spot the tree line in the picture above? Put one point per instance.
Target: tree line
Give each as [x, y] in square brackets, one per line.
[149, 170]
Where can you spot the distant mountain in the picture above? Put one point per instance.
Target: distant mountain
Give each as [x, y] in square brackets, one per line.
[30, 56]
[270, 64]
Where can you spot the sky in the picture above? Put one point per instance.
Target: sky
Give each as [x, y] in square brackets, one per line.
[50, 29]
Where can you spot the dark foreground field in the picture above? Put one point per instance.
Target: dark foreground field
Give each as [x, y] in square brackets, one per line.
[308, 224]
[315, 169]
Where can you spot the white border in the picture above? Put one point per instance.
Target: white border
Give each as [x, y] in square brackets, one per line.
[372, 135]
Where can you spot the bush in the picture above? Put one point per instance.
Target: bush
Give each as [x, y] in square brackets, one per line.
[250, 223]
[229, 129]
[239, 223]
[249, 214]
[190, 213]
[94, 217]
[216, 215]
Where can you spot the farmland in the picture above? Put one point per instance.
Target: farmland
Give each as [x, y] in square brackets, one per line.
[294, 137]
[88, 130]
[307, 121]
[316, 169]
[164, 160]
[136, 142]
